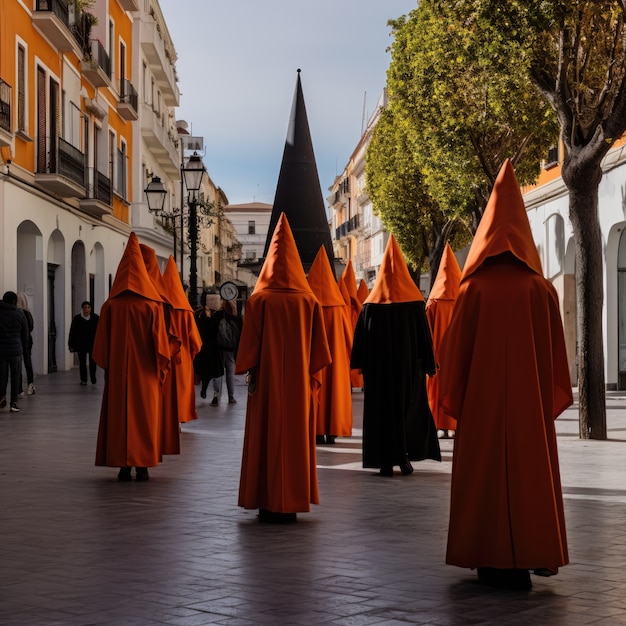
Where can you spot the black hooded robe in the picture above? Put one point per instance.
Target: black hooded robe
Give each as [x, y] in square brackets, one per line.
[393, 347]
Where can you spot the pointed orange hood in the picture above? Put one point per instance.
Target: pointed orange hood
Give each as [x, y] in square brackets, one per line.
[504, 226]
[362, 291]
[282, 268]
[446, 285]
[132, 275]
[393, 283]
[349, 280]
[174, 288]
[152, 267]
[323, 282]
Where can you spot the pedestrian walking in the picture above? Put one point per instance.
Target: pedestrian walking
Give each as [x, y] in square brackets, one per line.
[227, 324]
[82, 334]
[208, 363]
[13, 344]
[22, 304]
[505, 379]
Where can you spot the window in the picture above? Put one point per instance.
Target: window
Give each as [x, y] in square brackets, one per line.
[21, 88]
[250, 255]
[251, 227]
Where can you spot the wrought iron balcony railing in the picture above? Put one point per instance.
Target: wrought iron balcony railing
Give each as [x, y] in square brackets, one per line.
[5, 106]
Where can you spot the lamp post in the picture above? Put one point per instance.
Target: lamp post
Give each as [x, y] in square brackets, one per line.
[155, 195]
[193, 173]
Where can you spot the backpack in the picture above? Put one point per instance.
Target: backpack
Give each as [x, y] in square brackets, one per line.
[227, 335]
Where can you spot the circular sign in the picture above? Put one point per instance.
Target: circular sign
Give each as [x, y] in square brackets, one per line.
[229, 291]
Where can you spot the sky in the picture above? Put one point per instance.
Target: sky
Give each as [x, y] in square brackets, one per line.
[237, 68]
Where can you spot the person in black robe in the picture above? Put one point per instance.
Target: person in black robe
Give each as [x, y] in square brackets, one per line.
[393, 349]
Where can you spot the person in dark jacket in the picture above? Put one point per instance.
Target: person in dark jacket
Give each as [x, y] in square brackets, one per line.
[13, 343]
[82, 334]
[22, 304]
[208, 363]
[228, 347]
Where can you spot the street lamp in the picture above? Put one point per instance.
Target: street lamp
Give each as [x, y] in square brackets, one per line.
[193, 173]
[155, 195]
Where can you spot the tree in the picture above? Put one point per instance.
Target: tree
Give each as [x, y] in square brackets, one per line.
[397, 191]
[458, 108]
[577, 59]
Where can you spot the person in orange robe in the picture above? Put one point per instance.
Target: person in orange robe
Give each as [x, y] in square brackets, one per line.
[184, 327]
[505, 379]
[170, 440]
[363, 291]
[349, 292]
[132, 347]
[393, 348]
[334, 411]
[284, 349]
[439, 309]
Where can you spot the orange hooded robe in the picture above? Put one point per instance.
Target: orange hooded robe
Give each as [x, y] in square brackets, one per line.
[170, 440]
[393, 348]
[131, 345]
[184, 327]
[350, 295]
[439, 311]
[284, 347]
[363, 291]
[334, 411]
[505, 379]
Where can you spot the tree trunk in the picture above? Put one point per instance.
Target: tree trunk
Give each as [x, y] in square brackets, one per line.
[582, 180]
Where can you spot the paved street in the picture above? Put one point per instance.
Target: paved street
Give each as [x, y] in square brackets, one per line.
[80, 548]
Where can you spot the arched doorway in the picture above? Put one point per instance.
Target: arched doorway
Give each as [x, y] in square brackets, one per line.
[56, 290]
[30, 280]
[79, 277]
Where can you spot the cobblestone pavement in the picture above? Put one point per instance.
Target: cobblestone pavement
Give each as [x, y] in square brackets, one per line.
[80, 548]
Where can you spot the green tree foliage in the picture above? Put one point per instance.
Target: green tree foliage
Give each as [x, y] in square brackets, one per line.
[577, 59]
[460, 103]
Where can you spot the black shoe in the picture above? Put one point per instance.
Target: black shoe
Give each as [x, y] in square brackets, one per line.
[269, 517]
[93, 381]
[545, 572]
[517, 579]
[386, 471]
[320, 440]
[406, 468]
[3, 403]
[124, 474]
[215, 401]
[141, 474]
[203, 393]
[330, 439]
[14, 407]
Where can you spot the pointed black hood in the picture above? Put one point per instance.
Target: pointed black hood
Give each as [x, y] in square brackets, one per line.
[298, 192]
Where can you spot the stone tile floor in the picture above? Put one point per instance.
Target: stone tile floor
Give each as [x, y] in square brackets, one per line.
[79, 548]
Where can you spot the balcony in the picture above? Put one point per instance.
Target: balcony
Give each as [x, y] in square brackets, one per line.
[159, 140]
[97, 67]
[348, 226]
[6, 132]
[98, 200]
[161, 64]
[127, 106]
[129, 5]
[64, 173]
[57, 20]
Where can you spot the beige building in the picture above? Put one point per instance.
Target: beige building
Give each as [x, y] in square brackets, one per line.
[358, 235]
